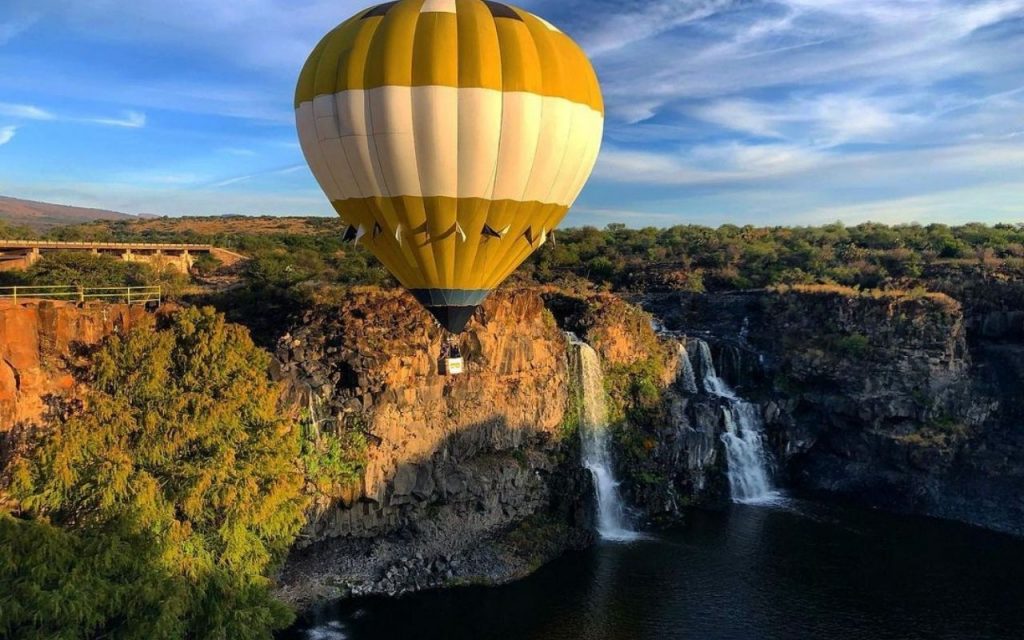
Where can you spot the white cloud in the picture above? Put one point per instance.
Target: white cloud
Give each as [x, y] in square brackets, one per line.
[129, 120]
[786, 166]
[641, 21]
[823, 120]
[731, 162]
[26, 111]
[7, 134]
[884, 43]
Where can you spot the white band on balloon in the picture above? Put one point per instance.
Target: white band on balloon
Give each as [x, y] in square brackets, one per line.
[454, 142]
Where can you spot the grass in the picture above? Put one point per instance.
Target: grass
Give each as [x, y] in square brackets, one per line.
[945, 302]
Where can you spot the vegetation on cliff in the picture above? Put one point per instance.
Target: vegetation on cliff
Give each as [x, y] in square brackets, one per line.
[157, 508]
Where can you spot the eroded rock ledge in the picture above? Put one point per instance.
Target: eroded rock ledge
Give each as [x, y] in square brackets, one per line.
[469, 478]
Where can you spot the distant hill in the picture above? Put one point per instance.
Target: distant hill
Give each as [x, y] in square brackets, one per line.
[44, 215]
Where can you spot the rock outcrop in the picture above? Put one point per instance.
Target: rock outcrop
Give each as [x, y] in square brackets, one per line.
[877, 397]
[453, 463]
[39, 345]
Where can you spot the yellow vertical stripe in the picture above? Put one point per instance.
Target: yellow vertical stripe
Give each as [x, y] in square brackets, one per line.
[389, 62]
[435, 54]
[479, 50]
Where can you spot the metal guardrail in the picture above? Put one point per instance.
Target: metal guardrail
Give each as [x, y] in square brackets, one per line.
[75, 244]
[72, 293]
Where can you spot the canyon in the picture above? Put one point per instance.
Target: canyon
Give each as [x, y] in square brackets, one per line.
[907, 401]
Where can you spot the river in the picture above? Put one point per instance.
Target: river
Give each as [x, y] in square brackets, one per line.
[793, 570]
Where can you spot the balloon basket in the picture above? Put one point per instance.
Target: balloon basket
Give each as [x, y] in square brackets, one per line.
[450, 363]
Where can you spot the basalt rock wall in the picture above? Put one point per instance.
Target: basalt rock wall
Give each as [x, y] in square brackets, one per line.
[893, 400]
[456, 467]
[39, 346]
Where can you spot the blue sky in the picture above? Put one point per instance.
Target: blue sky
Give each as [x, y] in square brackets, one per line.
[790, 112]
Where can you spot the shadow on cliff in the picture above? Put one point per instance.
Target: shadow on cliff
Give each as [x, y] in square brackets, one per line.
[478, 479]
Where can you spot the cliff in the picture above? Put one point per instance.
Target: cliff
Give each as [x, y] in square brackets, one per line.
[456, 468]
[39, 347]
[877, 397]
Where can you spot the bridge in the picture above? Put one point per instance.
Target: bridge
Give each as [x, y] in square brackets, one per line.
[22, 254]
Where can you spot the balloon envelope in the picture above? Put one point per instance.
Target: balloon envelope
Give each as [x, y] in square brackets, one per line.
[453, 136]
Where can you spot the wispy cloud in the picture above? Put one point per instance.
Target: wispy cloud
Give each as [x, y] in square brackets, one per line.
[731, 162]
[716, 109]
[631, 22]
[245, 178]
[235, 151]
[26, 111]
[129, 120]
[7, 134]
[825, 120]
[13, 27]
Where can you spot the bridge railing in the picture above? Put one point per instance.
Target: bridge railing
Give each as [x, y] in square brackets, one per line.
[72, 293]
[84, 244]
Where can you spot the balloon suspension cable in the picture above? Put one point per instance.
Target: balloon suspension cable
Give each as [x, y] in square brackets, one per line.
[448, 344]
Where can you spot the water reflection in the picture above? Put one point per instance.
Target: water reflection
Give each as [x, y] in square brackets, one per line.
[799, 571]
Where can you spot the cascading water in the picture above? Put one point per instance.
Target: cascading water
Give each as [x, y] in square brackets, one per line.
[687, 378]
[612, 519]
[744, 452]
[749, 480]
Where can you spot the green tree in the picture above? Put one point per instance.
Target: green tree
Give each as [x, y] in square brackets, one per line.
[181, 450]
[87, 270]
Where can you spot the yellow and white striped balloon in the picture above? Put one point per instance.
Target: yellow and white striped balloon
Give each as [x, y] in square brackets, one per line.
[453, 136]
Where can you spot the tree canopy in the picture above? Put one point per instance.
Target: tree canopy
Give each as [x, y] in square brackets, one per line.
[177, 488]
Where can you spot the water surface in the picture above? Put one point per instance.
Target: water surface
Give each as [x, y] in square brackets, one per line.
[801, 570]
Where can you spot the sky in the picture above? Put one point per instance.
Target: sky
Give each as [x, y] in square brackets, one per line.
[791, 112]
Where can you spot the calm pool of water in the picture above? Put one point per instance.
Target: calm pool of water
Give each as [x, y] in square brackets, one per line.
[800, 570]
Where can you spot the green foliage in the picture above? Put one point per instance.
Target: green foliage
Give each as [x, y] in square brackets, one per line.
[63, 584]
[693, 258]
[573, 415]
[634, 390]
[87, 270]
[181, 455]
[78, 268]
[333, 458]
[10, 231]
[205, 264]
[854, 345]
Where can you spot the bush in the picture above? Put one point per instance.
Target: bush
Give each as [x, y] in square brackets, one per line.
[854, 345]
[182, 468]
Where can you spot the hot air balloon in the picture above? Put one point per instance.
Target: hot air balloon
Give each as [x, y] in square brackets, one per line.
[452, 136]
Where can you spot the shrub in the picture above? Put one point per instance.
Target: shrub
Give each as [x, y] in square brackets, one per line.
[854, 345]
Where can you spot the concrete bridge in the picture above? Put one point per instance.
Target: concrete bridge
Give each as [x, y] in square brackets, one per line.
[22, 254]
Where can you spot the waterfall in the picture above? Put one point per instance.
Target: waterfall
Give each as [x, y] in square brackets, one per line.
[687, 378]
[612, 519]
[749, 480]
[744, 454]
[709, 377]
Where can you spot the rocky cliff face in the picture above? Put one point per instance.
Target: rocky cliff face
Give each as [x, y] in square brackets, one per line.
[877, 398]
[457, 468]
[39, 345]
